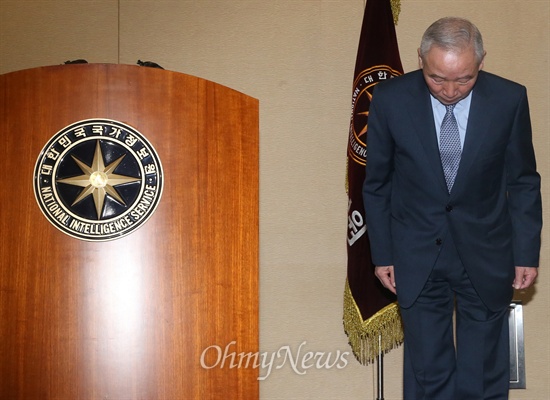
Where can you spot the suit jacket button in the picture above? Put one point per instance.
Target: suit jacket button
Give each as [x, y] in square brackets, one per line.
[438, 241]
[449, 208]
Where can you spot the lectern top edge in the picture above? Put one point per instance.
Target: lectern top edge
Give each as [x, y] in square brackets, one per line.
[112, 66]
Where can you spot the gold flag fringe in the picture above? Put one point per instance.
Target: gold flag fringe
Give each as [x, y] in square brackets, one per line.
[363, 336]
[395, 9]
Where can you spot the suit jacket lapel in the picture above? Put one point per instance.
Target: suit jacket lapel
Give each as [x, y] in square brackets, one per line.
[420, 109]
[478, 124]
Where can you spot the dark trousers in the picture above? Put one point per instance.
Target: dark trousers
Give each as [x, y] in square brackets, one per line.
[479, 366]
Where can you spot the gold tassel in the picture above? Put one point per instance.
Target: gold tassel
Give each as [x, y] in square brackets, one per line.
[363, 335]
[395, 9]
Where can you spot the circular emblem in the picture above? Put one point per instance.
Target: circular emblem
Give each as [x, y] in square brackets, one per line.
[98, 180]
[360, 103]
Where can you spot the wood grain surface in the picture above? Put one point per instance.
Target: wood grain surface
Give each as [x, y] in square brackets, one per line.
[131, 318]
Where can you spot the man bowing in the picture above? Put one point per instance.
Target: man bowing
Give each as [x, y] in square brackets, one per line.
[453, 208]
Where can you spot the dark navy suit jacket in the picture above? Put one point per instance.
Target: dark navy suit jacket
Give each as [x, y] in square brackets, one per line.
[494, 209]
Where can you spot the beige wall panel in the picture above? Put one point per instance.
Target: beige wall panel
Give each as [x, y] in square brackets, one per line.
[298, 58]
[34, 33]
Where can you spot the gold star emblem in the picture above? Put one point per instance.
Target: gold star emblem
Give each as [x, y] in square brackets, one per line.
[364, 114]
[98, 180]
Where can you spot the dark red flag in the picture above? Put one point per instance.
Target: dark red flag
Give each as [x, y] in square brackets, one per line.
[370, 310]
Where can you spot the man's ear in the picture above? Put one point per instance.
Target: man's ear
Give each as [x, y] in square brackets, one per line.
[482, 61]
[420, 63]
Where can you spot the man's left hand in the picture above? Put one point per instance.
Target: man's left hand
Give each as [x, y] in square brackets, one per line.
[525, 277]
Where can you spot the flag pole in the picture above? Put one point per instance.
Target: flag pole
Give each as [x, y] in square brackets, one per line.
[380, 369]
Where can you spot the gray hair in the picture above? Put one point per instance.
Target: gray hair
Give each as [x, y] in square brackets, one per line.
[452, 34]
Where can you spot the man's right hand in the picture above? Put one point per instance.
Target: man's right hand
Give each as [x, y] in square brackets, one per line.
[385, 275]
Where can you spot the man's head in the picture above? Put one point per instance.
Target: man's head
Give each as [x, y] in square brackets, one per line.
[451, 55]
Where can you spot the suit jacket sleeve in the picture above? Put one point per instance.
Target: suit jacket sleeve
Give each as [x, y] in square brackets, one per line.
[523, 189]
[377, 187]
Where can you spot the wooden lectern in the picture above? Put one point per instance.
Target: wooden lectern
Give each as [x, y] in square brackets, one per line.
[129, 236]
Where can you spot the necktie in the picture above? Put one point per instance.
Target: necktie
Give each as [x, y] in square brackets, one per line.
[449, 146]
